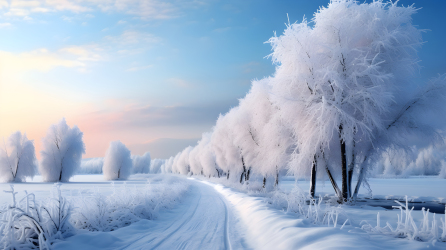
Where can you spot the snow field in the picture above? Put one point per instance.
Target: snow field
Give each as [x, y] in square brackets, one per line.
[28, 222]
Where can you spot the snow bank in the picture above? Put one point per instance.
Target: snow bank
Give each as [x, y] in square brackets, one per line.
[274, 229]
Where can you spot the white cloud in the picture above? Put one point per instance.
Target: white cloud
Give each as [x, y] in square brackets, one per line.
[144, 9]
[4, 25]
[17, 12]
[130, 37]
[139, 68]
[24, 4]
[90, 53]
[41, 60]
[120, 22]
[4, 4]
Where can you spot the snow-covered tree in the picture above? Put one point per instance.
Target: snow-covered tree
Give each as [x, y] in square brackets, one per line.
[156, 165]
[141, 164]
[62, 152]
[343, 81]
[117, 162]
[17, 158]
[167, 165]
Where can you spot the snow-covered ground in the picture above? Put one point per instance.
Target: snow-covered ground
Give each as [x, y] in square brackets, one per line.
[212, 216]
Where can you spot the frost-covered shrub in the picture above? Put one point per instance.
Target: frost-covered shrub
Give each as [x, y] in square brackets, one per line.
[117, 162]
[429, 229]
[62, 152]
[28, 224]
[141, 164]
[126, 205]
[91, 166]
[17, 158]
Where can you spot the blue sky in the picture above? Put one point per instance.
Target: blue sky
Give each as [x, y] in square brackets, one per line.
[140, 70]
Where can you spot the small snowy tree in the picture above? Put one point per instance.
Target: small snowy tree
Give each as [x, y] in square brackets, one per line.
[156, 165]
[17, 158]
[141, 164]
[117, 162]
[62, 152]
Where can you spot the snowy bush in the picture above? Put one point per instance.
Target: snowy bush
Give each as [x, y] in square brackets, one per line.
[17, 158]
[425, 230]
[141, 164]
[62, 152]
[28, 224]
[117, 162]
[91, 166]
[126, 205]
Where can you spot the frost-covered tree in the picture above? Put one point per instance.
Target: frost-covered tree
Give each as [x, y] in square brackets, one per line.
[342, 94]
[141, 164]
[166, 167]
[228, 155]
[117, 162]
[62, 152]
[156, 165]
[181, 163]
[343, 81]
[17, 158]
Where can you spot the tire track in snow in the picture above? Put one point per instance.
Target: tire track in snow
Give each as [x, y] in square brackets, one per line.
[227, 240]
[202, 222]
[144, 236]
[188, 219]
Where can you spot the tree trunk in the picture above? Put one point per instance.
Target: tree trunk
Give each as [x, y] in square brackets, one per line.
[218, 173]
[313, 178]
[333, 183]
[360, 178]
[264, 182]
[344, 167]
[276, 183]
[247, 174]
[227, 177]
[351, 166]
[244, 171]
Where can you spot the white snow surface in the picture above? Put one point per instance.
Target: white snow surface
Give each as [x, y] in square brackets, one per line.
[212, 216]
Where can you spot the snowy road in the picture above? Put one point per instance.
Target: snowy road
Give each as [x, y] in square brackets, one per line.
[204, 220]
[212, 216]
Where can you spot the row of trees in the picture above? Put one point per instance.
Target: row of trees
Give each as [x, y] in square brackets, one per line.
[61, 156]
[342, 92]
